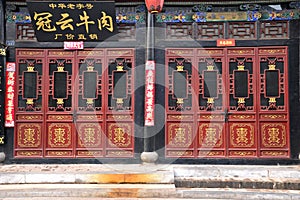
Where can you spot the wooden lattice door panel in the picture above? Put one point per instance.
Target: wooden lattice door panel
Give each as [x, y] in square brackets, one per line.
[241, 104]
[242, 101]
[211, 103]
[89, 110]
[273, 102]
[29, 103]
[180, 128]
[120, 103]
[60, 129]
[75, 103]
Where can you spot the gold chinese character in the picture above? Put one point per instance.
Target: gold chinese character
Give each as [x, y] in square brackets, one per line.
[89, 6]
[242, 135]
[57, 36]
[59, 135]
[274, 135]
[29, 135]
[179, 135]
[64, 22]
[52, 5]
[81, 37]
[70, 36]
[44, 21]
[211, 136]
[62, 6]
[71, 6]
[85, 22]
[93, 36]
[79, 6]
[89, 135]
[105, 22]
[119, 136]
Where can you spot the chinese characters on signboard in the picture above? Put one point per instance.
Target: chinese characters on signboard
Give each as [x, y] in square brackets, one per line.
[149, 93]
[73, 45]
[73, 20]
[9, 94]
[225, 42]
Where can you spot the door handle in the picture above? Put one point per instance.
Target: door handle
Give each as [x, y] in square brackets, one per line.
[74, 115]
[226, 115]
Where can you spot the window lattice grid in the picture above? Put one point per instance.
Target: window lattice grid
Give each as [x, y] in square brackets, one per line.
[274, 30]
[209, 31]
[25, 32]
[242, 30]
[179, 31]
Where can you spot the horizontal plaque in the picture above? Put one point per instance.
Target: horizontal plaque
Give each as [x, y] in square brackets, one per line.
[73, 20]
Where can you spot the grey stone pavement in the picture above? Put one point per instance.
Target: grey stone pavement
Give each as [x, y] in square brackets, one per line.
[148, 181]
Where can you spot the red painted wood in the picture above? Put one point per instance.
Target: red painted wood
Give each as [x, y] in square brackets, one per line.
[225, 125]
[78, 127]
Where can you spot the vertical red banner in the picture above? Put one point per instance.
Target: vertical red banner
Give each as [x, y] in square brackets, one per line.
[9, 94]
[149, 93]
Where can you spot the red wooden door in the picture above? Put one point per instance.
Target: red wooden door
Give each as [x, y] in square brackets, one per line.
[236, 103]
[75, 103]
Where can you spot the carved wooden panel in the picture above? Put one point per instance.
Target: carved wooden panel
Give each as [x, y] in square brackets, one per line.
[25, 32]
[274, 135]
[29, 139]
[179, 31]
[242, 30]
[210, 31]
[89, 135]
[120, 139]
[89, 139]
[242, 135]
[211, 139]
[59, 135]
[180, 137]
[274, 29]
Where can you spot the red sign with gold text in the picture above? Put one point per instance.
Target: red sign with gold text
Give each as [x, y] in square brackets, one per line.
[225, 42]
[9, 94]
[149, 93]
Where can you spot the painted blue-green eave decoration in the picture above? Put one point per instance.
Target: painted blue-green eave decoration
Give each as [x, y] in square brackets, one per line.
[180, 16]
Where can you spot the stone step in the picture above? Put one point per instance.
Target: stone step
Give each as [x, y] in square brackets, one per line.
[237, 194]
[136, 191]
[223, 176]
[69, 174]
[196, 182]
[87, 190]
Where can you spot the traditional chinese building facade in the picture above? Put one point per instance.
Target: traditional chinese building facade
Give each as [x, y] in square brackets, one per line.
[223, 86]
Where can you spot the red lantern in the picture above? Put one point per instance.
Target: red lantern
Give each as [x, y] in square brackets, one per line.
[154, 6]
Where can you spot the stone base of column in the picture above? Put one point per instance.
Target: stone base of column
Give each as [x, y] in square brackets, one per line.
[2, 157]
[149, 157]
